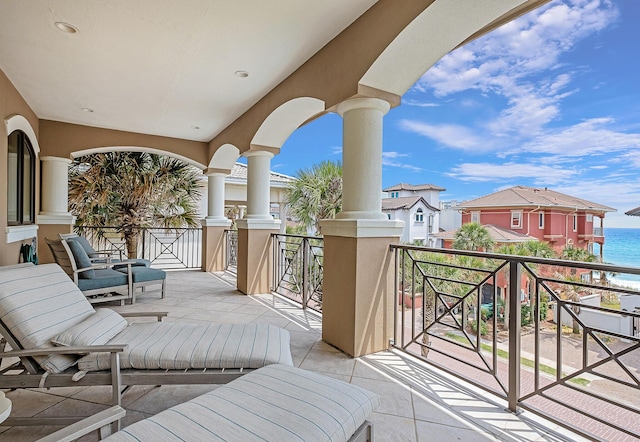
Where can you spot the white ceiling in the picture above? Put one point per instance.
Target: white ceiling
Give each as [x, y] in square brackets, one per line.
[160, 67]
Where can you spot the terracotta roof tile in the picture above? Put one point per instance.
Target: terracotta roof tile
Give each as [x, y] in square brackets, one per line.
[498, 234]
[405, 202]
[239, 171]
[403, 186]
[522, 196]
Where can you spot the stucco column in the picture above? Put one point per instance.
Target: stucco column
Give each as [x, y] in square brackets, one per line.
[54, 218]
[255, 229]
[358, 302]
[215, 224]
[362, 158]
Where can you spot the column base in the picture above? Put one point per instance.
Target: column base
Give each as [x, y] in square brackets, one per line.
[254, 255]
[214, 244]
[357, 300]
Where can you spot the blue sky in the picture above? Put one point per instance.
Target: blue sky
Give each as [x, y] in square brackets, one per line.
[551, 99]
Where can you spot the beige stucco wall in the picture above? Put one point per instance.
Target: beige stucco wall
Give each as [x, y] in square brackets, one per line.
[11, 103]
[62, 139]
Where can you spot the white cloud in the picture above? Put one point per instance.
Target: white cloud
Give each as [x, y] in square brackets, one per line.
[336, 150]
[418, 103]
[586, 138]
[508, 62]
[451, 135]
[390, 159]
[540, 174]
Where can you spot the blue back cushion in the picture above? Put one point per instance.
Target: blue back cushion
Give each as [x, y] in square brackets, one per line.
[85, 245]
[82, 259]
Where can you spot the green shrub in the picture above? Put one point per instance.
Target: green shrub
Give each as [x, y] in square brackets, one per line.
[483, 327]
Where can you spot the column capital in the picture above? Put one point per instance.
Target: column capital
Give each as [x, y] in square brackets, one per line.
[258, 153]
[363, 103]
[212, 171]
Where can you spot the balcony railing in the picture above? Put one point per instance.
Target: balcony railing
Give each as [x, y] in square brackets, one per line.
[598, 231]
[165, 248]
[231, 251]
[298, 269]
[546, 335]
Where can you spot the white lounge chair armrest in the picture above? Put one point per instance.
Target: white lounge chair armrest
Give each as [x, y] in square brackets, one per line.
[158, 315]
[100, 421]
[112, 348]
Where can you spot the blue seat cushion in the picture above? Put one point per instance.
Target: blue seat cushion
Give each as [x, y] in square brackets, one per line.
[138, 263]
[143, 274]
[104, 278]
[82, 259]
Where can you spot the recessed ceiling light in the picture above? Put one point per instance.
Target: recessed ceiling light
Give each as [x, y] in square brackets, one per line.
[87, 110]
[66, 27]
[241, 74]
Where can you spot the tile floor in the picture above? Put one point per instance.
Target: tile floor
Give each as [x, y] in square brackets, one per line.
[418, 403]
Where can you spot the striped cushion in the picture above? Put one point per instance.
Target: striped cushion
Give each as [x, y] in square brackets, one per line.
[180, 345]
[97, 329]
[39, 302]
[274, 403]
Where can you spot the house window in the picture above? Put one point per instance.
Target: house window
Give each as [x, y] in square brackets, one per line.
[541, 220]
[475, 217]
[589, 217]
[430, 224]
[575, 222]
[516, 219]
[395, 194]
[388, 216]
[20, 180]
[419, 216]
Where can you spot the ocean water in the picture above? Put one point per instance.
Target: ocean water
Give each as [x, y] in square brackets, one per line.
[622, 247]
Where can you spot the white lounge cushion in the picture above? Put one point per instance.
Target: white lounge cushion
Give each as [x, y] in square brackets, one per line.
[39, 302]
[274, 403]
[181, 345]
[97, 329]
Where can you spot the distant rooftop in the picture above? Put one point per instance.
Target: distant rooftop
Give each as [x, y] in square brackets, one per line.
[239, 172]
[633, 212]
[497, 234]
[405, 202]
[521, 196]
[403, 186]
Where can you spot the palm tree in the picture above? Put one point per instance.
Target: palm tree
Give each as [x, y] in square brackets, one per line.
[472, 236]
[537, 249]
[133, 190]
[316, 194]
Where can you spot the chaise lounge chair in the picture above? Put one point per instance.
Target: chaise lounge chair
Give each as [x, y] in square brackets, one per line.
[56, 334]
[274, 403]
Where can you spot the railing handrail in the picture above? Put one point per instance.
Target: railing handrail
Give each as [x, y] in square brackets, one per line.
[289, 235]
[612, 268]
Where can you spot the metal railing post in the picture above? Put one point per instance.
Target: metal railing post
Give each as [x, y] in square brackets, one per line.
[513, 393]
[305, 272]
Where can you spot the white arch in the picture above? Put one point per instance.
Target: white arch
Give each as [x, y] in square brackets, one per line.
[285, 119]
[18, 122]
[105, 149]
[225, 157]
[434, 33]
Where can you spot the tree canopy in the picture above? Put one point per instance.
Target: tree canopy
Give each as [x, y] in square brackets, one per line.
[472, 236]
[132, 190]
[316, 194]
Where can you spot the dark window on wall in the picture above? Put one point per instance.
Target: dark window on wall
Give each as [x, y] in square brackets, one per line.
[20, 180]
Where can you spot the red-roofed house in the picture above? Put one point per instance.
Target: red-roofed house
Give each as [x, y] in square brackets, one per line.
[559, 219]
